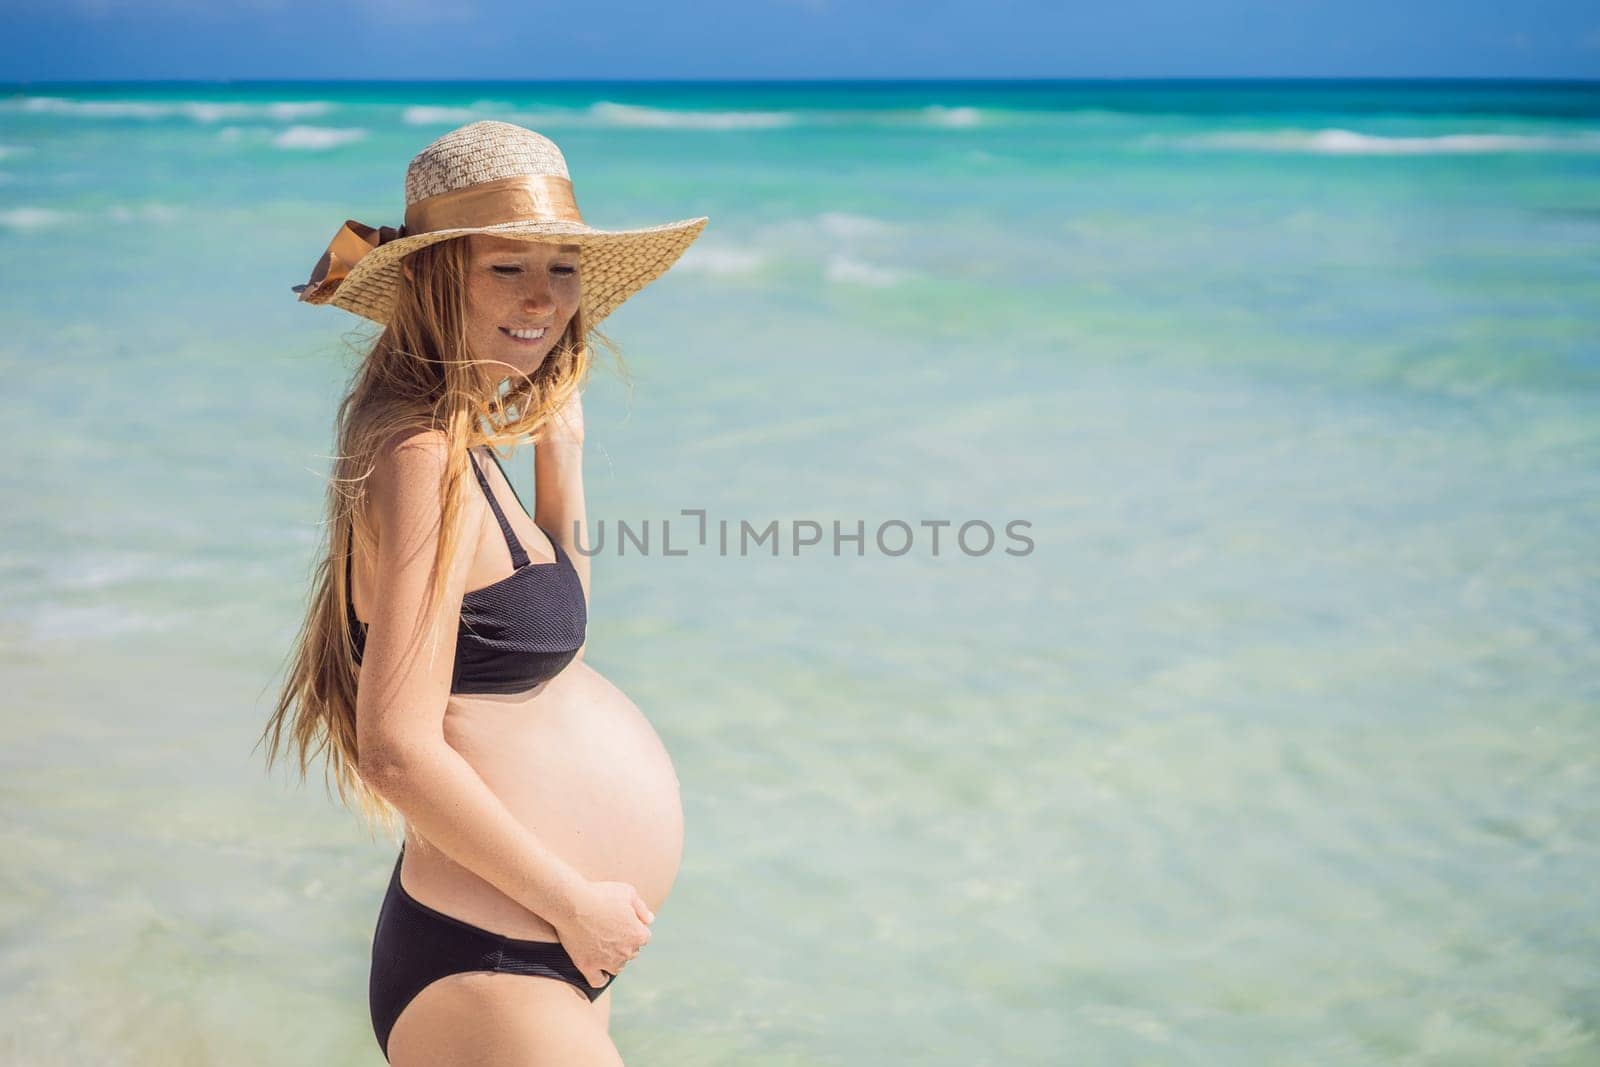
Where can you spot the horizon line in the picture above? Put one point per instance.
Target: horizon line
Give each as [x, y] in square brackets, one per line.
[897, 80]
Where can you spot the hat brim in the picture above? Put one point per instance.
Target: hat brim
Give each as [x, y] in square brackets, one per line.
[615, 264]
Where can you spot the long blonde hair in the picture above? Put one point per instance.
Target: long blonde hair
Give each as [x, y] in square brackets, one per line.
[415, 377]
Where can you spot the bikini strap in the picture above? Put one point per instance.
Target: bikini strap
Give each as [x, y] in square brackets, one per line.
[519, 558]
[548, 536]
[349, 583]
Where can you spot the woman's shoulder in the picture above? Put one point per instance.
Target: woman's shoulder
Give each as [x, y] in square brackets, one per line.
[407, 472]
[411, 444]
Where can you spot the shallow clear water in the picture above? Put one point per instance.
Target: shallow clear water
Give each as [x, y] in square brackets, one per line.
[1279, 746]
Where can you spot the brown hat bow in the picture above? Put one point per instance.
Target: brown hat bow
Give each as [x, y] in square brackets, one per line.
[353, 241]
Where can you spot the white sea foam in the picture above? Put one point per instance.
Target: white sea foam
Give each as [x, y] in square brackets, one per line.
[54, 622]
[198, 110]
[710, 259]
[849, 270]
[317, 137]
[613, 114]
[939, 115]
[299, 109]
[33, 218]
[843, 224]
[425, 115]
[1348, 142]
[844, 243]
[98, 109]
[151, 212]
[201, 111]
[286, 111]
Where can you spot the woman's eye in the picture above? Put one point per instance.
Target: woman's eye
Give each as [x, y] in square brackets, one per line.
[561, 269]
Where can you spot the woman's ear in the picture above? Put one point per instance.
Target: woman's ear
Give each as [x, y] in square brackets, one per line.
[405, 268]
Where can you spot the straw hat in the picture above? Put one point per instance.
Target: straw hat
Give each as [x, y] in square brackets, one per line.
[496, 178]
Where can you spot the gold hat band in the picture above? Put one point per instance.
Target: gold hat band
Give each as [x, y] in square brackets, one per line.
[525, 197]
[532, 197]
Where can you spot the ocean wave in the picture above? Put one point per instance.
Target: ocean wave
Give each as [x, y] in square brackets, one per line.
[850, 270]
[607, 113]
[845, 248]
[425, 115]
[33, 218]
[151, 212]
[198, 110]
[942, 116]
[37, 218]
[829, 228]
[939, 115]
[56, 622]
[711, 259]
[614, 114]
[317, 137]
[1350, 143]
[848, 225]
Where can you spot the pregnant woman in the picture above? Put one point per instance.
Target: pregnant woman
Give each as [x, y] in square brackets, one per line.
[440, 667]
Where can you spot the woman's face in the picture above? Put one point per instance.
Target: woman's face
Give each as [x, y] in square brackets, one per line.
[522, 286]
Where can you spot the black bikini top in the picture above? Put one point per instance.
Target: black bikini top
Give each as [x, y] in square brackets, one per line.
[518, 632]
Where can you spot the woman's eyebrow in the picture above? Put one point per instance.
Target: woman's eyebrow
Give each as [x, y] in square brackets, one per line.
[522, 255]
[516, 252]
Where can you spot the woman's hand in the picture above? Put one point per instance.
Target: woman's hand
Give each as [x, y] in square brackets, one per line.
[605, 926]
[566, 426]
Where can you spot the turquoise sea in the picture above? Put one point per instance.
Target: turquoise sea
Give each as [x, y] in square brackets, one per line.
[1280, 746]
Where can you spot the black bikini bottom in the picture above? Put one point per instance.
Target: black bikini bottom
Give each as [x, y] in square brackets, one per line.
[415, 945]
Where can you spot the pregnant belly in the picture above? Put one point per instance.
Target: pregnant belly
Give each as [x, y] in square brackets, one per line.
[578, 764]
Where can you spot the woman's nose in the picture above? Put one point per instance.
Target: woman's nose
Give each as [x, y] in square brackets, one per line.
[538, 297]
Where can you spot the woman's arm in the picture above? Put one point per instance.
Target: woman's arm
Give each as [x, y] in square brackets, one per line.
[405, 687]
[558, 487]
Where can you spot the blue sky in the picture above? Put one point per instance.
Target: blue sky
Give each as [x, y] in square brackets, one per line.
[601, 39]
